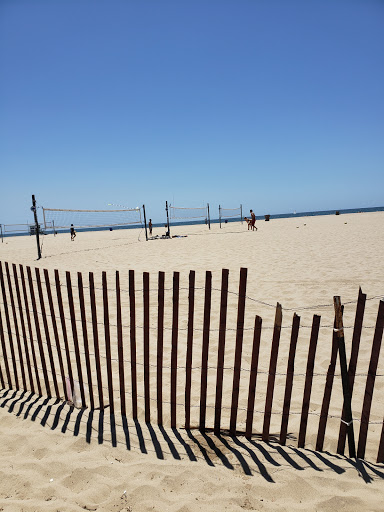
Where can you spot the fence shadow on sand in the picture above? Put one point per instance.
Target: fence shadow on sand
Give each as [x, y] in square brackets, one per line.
[234, 452]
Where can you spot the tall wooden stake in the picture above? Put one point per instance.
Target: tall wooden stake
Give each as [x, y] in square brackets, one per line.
[36, 227]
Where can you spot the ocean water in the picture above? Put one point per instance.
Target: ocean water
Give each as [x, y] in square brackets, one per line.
[213, 221]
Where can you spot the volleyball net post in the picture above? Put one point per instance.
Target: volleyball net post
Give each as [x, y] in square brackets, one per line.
[220, 215]
[1, 232]
[168, 228]
[37, 227]
[145, 223]
[209, 220]
[241, 213]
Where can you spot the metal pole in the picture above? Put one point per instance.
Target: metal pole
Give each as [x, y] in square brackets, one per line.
[166, 209]
[209, 220]
[145, 224]
[1, 229]
[36, 227]
[241, 213]
[220, 216]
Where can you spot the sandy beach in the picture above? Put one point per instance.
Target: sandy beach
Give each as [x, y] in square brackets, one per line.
[59, 458]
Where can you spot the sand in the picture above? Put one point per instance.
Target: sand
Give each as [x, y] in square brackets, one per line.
[55, 457]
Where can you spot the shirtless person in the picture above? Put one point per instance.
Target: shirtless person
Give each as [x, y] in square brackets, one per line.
[73, 233]
[253, 220]
[150, 226]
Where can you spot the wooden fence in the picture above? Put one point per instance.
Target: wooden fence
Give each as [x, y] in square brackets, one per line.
[54, 344]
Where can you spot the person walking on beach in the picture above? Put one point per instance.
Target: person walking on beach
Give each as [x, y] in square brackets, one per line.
[253, 221]
[73, 233]
[150, 226]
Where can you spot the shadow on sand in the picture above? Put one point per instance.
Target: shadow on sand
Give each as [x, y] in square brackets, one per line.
[250, 456]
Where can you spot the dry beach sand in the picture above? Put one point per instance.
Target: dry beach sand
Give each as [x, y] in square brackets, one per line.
[54, 457]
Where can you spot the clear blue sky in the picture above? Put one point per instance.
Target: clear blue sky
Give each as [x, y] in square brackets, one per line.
[278, 105]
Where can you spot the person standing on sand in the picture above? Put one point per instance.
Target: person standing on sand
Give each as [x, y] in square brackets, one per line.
[253, 220]
[73, 233]
[150, 226]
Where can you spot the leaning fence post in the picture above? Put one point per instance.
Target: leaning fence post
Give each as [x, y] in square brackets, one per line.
[353, 362]
[253, 377]
[365, 413]
[272, 372]
[347, 408]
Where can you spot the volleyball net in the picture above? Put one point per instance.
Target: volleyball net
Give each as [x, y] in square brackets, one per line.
[58, 219]
[230, 213]
[180, 213]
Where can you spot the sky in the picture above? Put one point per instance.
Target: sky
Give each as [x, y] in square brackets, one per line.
[275, 105]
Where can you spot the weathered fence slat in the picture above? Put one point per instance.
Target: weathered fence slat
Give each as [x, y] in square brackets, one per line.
[205, 349]
[132, 313]
[347, 406]
[308, 380]
[253, 377]
[107, 337]
[380, 453]
[55, 331]
[64, 327]
[147, 395]
[75, 338]
[46, 331]
[289, 378]
[85, 339]
[95, 332]
[23, 330]
[7, 319]
[38, 333]
[188, 360]
[16, 324]
[174, 343]
[160, 347]
[272, 372]
[4, 350]
[327, 392]
[366, 411]
[352, 362]
[221, 349]
[120, 346]
[32, 344]
[238, 350]
[2, 378]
